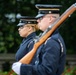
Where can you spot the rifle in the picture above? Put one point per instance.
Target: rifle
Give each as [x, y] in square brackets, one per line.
[29, 56]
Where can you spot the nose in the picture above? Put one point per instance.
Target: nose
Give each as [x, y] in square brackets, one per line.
[18, 29]
[38, 20]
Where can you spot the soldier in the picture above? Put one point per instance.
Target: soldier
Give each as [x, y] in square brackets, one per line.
[50, 56]
[27, 30]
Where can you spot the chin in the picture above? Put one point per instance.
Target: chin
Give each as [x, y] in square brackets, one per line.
[41, 28]
[21, 36]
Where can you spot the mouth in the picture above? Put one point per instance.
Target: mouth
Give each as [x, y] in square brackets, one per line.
[19, 32]
[38, 25]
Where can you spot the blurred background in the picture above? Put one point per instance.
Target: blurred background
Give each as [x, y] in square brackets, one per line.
[10, 40]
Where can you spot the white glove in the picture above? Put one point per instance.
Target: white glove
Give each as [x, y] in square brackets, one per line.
[16, 67]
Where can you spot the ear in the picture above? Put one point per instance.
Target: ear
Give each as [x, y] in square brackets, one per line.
[51, 19]
[30, 28]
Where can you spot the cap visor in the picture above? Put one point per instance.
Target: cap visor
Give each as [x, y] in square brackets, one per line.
[21, 24]
[39, 15]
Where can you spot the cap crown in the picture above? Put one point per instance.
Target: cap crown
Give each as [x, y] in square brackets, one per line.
[27, 20]
[47, 9]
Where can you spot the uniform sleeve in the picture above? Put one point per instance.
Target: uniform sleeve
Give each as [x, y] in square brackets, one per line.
[47, 64]
[30, 45]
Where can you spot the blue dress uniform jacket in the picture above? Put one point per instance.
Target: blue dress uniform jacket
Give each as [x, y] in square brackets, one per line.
[49, 58]
[25, 46]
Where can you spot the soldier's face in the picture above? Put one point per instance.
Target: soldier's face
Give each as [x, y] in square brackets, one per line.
[44, 22]
[23, 31]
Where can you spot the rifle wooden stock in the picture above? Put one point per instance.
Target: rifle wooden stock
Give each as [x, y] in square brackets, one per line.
[29, 56]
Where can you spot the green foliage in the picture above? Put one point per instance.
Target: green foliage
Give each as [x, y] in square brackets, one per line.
[70, 71]
[9, 37]
[6, 73]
